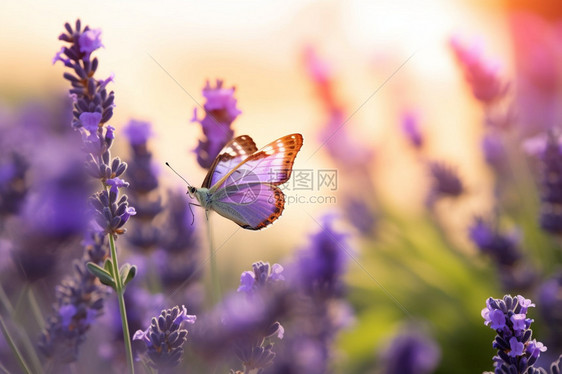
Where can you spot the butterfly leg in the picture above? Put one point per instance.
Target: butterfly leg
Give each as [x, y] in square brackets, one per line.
[192, 214]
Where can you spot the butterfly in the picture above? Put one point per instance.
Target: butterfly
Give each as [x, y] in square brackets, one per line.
[242, 183]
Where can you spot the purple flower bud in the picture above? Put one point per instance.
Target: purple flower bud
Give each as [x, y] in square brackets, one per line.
[110, 132]
[411, 128]
[58, 57]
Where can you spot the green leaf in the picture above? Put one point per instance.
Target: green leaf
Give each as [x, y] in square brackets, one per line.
[100, 273]
[108, 266]
[127, 272]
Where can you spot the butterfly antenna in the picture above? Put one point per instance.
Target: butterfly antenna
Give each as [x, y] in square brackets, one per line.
[178, 174]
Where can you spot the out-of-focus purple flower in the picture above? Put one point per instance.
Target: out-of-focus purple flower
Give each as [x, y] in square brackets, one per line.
[79, 300]
[360, 215]
[318, 309]
[138, 132]
[536, 46]
[481, 74]
[411, 352]
[516, 351]
[253, 350]
[411, 129]
[446, 182]
[495, 153]
[220, 112]
[551, 188]
[142, 172]
[550, 307]
[262, 276]
[165, 337]
[179, 225]
[502, 248]
[242, 325]
[13, 186]
[345, 150]
[58, 207]
[321, 266]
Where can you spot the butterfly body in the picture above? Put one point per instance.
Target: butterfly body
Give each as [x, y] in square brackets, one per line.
[242, 182]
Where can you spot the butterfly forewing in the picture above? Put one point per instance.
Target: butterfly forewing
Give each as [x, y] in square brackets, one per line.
[272, 164]
[233, 153]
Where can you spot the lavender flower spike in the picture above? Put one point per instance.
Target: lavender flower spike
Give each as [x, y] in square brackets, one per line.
[220, 112]
[165, 337]
[517, 353]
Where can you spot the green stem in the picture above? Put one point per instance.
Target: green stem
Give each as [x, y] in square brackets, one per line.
[13, 347]
[215, 286]
[121, 299]
[27, 344]
[4, 369]
[35, 308]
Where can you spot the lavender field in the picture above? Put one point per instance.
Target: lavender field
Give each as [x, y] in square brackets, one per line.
[302, 187]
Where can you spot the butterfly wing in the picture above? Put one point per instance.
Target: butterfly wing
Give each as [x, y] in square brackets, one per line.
[272, 164]
[231, 155]
[252, 205]
[248, 194]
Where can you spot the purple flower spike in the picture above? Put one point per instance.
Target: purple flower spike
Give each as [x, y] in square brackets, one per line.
[411, 352]
[517, 353]
[551, 183]
[90, 40]
[220, 112]
[165, 337]
[482, 75]
[446, 183]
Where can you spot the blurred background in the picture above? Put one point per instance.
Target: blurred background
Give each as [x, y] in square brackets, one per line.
[386, 61]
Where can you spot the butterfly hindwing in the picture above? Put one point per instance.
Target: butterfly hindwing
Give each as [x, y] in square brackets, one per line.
[231, 155]
[251, 205]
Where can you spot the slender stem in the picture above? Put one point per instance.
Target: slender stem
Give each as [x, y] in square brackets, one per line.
[4, 369]
[6, 302]
[27, 344]
[215, 286]
[120, 297]
[13, 347]
[35, 308]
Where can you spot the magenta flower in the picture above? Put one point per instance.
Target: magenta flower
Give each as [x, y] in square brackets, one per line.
[481, 74]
